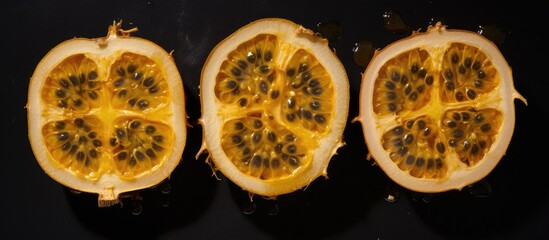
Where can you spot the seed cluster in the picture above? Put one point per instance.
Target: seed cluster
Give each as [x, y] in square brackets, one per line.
[138, 145]
[416, 148]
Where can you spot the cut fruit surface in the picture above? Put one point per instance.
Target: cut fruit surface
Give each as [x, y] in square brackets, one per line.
[107, 115]
[274, 106]
[437, 109]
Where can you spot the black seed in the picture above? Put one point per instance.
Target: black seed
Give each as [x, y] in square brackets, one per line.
[62, 136]
[82, 139]
[319, 118]
[79, 122]
[397, 131]
[73, 149]
[452, 142]
[478, 83]
[264, 69]
[459, 96]
[231, 84]
[297, 84]
[131, 68]
[78, 102]
[408, 138]
[257, 137]
[113, 141]
[395, 76]
[275, 163]
[455, 58]
[122, 155]
[404, 79]
[120, 133]
[290, 117]
[414, 68]
[92, 75]
[392, 107]
[315, 105]
[421, 124]
[80, 156]
[456, 116]
[313, 83]
[466, 144]
[303, 67]
[290, 138]
[430, 163]
[132, 161]
[92, 94]
[238, 125]
[420, 161]
[119, 82]
[292, 148]
[266, 162]
[471, 94]
[246, 151]
[438, 163]
[256, 161]
[64, 83]
[271, 136]
[467, 62]
[485, 127]
[402, 151]
[422, 73]
[97, 143]
[242, 64]
[290, 72]
[258, 124]
[440, 147]
[481, 74]
[458, 133]
[74, 80]
[307, 114]
[139, 155]
[285, 156]
[465, 116]
[448, 74]
[236, 139]
[150, 152]
[305, 76]
[268, 56]
[148, 82]
[250, 57]
[462, 69]
[316, 91]
[291, 103]
[60, 93]
[391, 95]
[264, 87]
[150, 129]
[142, 104]
[243, 102]
[410, 159]
[275, 94]
[420, 88]
[121, 72]
[122, 93]
[293, 161]
[135, 124]
[408, 89]
[482, 144]
[474, 149]
[390, 85]
[413, 96]
[278, 148]
[451, 124]
[236, 71]
[59, 125]
[246, 160]
[449, 85]
[156, 147]
[410, 124]
[476, 65]
[397, 142]
[137, 76]
[479, 118]
[154, 89]
[92, 153]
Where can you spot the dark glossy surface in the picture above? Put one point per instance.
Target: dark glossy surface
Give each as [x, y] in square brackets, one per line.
[511, 203]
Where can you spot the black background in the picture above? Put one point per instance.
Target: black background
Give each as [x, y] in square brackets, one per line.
[193, 204]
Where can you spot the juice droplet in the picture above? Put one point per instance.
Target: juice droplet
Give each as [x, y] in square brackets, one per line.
[136, 208]
[434, 21]
[493, 34]
[363, 51]
[479, 189]
[165, 203]
[273, 209]
[165, 188]
[392, 21]
[331, 30]
[249, 208]
[74, 191]
[392, 193]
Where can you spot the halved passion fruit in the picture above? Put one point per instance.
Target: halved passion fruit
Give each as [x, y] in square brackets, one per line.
[274, 106]
[107, 115]
[437, 109]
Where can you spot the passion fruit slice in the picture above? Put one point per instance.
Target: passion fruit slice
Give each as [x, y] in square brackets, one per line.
[107, 115]
[437, 109]
[274, 106]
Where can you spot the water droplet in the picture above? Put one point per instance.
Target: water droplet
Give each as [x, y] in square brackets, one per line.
[273, 209]
[392, 21]
[165, 188]
[363, 51]
[493, 34]
[74, 191]
[136, 208]
[479, 189]
[249, 208]
[165, 203]
[392, 193]
[331, 30]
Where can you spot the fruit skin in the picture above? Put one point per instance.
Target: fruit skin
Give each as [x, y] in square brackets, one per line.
[109, 187]
[434, 39]
[211, 124]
